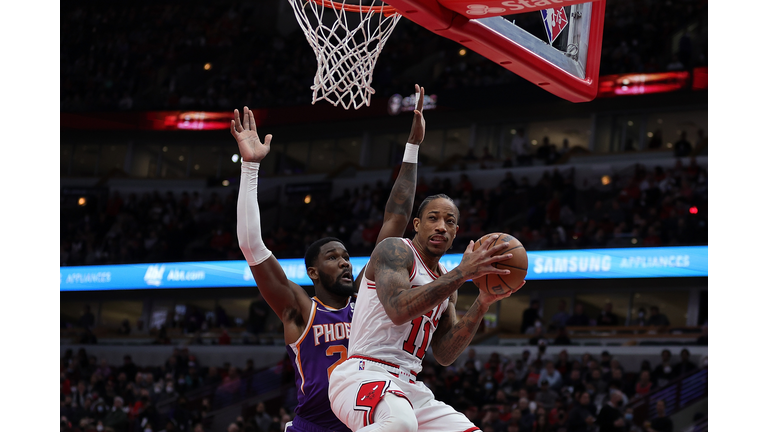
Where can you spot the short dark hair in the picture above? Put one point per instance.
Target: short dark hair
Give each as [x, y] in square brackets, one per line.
[310, 258]
[431, 198]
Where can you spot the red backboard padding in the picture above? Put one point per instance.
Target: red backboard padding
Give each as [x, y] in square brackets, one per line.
[437, 18]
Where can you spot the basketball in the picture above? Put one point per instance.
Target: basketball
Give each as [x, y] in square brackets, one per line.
[517, 266]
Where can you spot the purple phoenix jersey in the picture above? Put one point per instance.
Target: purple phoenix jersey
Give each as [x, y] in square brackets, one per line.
[321, 348]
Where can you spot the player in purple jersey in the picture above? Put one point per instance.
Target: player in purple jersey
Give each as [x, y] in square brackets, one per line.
[316, 329]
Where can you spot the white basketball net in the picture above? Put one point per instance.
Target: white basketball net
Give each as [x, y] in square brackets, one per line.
[347, 45]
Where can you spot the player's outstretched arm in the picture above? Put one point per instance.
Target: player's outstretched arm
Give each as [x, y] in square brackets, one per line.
[453, 335]
[286, 298]
[397, 212]
[390, 267]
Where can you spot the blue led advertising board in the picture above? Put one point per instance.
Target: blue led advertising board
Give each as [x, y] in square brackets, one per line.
[660, 262]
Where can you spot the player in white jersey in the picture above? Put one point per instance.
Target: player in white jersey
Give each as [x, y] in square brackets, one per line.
[407, 302]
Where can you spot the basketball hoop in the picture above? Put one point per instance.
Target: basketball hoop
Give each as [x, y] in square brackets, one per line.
[347, 42]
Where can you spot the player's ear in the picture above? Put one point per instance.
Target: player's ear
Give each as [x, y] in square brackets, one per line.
[416, 222]
[312, 273]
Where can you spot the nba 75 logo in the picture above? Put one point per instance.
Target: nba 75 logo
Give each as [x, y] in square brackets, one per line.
[555, 21]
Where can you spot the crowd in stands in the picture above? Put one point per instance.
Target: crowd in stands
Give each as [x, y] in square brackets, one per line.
[646, 206]
[539, 391]
[151, 55]
[96, 396]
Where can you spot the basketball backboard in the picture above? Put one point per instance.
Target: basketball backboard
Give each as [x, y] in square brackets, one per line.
[566, 65]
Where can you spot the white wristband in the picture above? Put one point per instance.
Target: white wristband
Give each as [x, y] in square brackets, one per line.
[411, 154]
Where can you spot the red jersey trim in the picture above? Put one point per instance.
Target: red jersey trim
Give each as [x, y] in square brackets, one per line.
[375, 360]
[421, 259]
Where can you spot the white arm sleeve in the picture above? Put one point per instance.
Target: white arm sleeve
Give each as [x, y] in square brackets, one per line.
[248, 219]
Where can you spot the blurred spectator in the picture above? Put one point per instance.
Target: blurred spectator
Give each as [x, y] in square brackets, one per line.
[472, 357]
[642, 319]
[510, 385]
[262, 419]
[682, 147]
[663, 372]
[125, 328]
[686, 366]
[530, 316]
[655, 142]
[560, 318]
[537, 333]
[611, 419]
[527, 416]
[661, 423]
[521, 148]
[128, 367]
[656, 318]
[582, 418]
[87, 320]
[644, 384]
[629, 425]
[551, 375]
[491, 419]
[546, 397]
[117, 419]
[579, 318]
[607, 317]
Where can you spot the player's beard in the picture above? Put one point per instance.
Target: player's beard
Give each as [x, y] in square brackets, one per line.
[336, 286]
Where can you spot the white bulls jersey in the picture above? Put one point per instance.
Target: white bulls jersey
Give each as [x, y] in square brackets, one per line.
[374, 334]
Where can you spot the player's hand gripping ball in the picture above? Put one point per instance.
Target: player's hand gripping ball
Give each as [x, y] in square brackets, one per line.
[517, 266]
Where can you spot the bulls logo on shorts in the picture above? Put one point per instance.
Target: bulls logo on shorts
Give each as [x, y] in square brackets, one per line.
[369, 395]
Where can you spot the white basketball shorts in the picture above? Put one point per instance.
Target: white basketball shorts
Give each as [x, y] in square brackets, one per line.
[356, 386]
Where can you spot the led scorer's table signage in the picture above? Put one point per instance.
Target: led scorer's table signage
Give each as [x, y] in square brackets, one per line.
[687, 261]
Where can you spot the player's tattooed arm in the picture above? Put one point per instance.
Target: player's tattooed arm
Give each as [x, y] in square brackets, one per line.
[397, 211]
[390, 266]
[452, 335]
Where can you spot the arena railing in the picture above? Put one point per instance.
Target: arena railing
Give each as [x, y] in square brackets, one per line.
[677, 395]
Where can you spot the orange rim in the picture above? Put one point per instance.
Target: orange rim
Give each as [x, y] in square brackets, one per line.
[386, 10]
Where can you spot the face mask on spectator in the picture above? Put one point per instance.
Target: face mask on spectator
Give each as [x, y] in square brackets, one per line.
[667, 369]
[628, 417]
[99, 428]
[488, 385]
[169, 389]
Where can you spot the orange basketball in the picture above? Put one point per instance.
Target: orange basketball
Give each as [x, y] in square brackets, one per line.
[517, 266]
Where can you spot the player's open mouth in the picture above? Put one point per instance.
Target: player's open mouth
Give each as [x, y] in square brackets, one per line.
[346, 276]
[437, 239]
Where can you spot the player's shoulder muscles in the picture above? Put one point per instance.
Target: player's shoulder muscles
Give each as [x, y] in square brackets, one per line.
[391, 264]
[286, 298]
[392, 255]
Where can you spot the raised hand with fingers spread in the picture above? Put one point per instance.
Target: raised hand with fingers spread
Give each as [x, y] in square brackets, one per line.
[251, 147]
